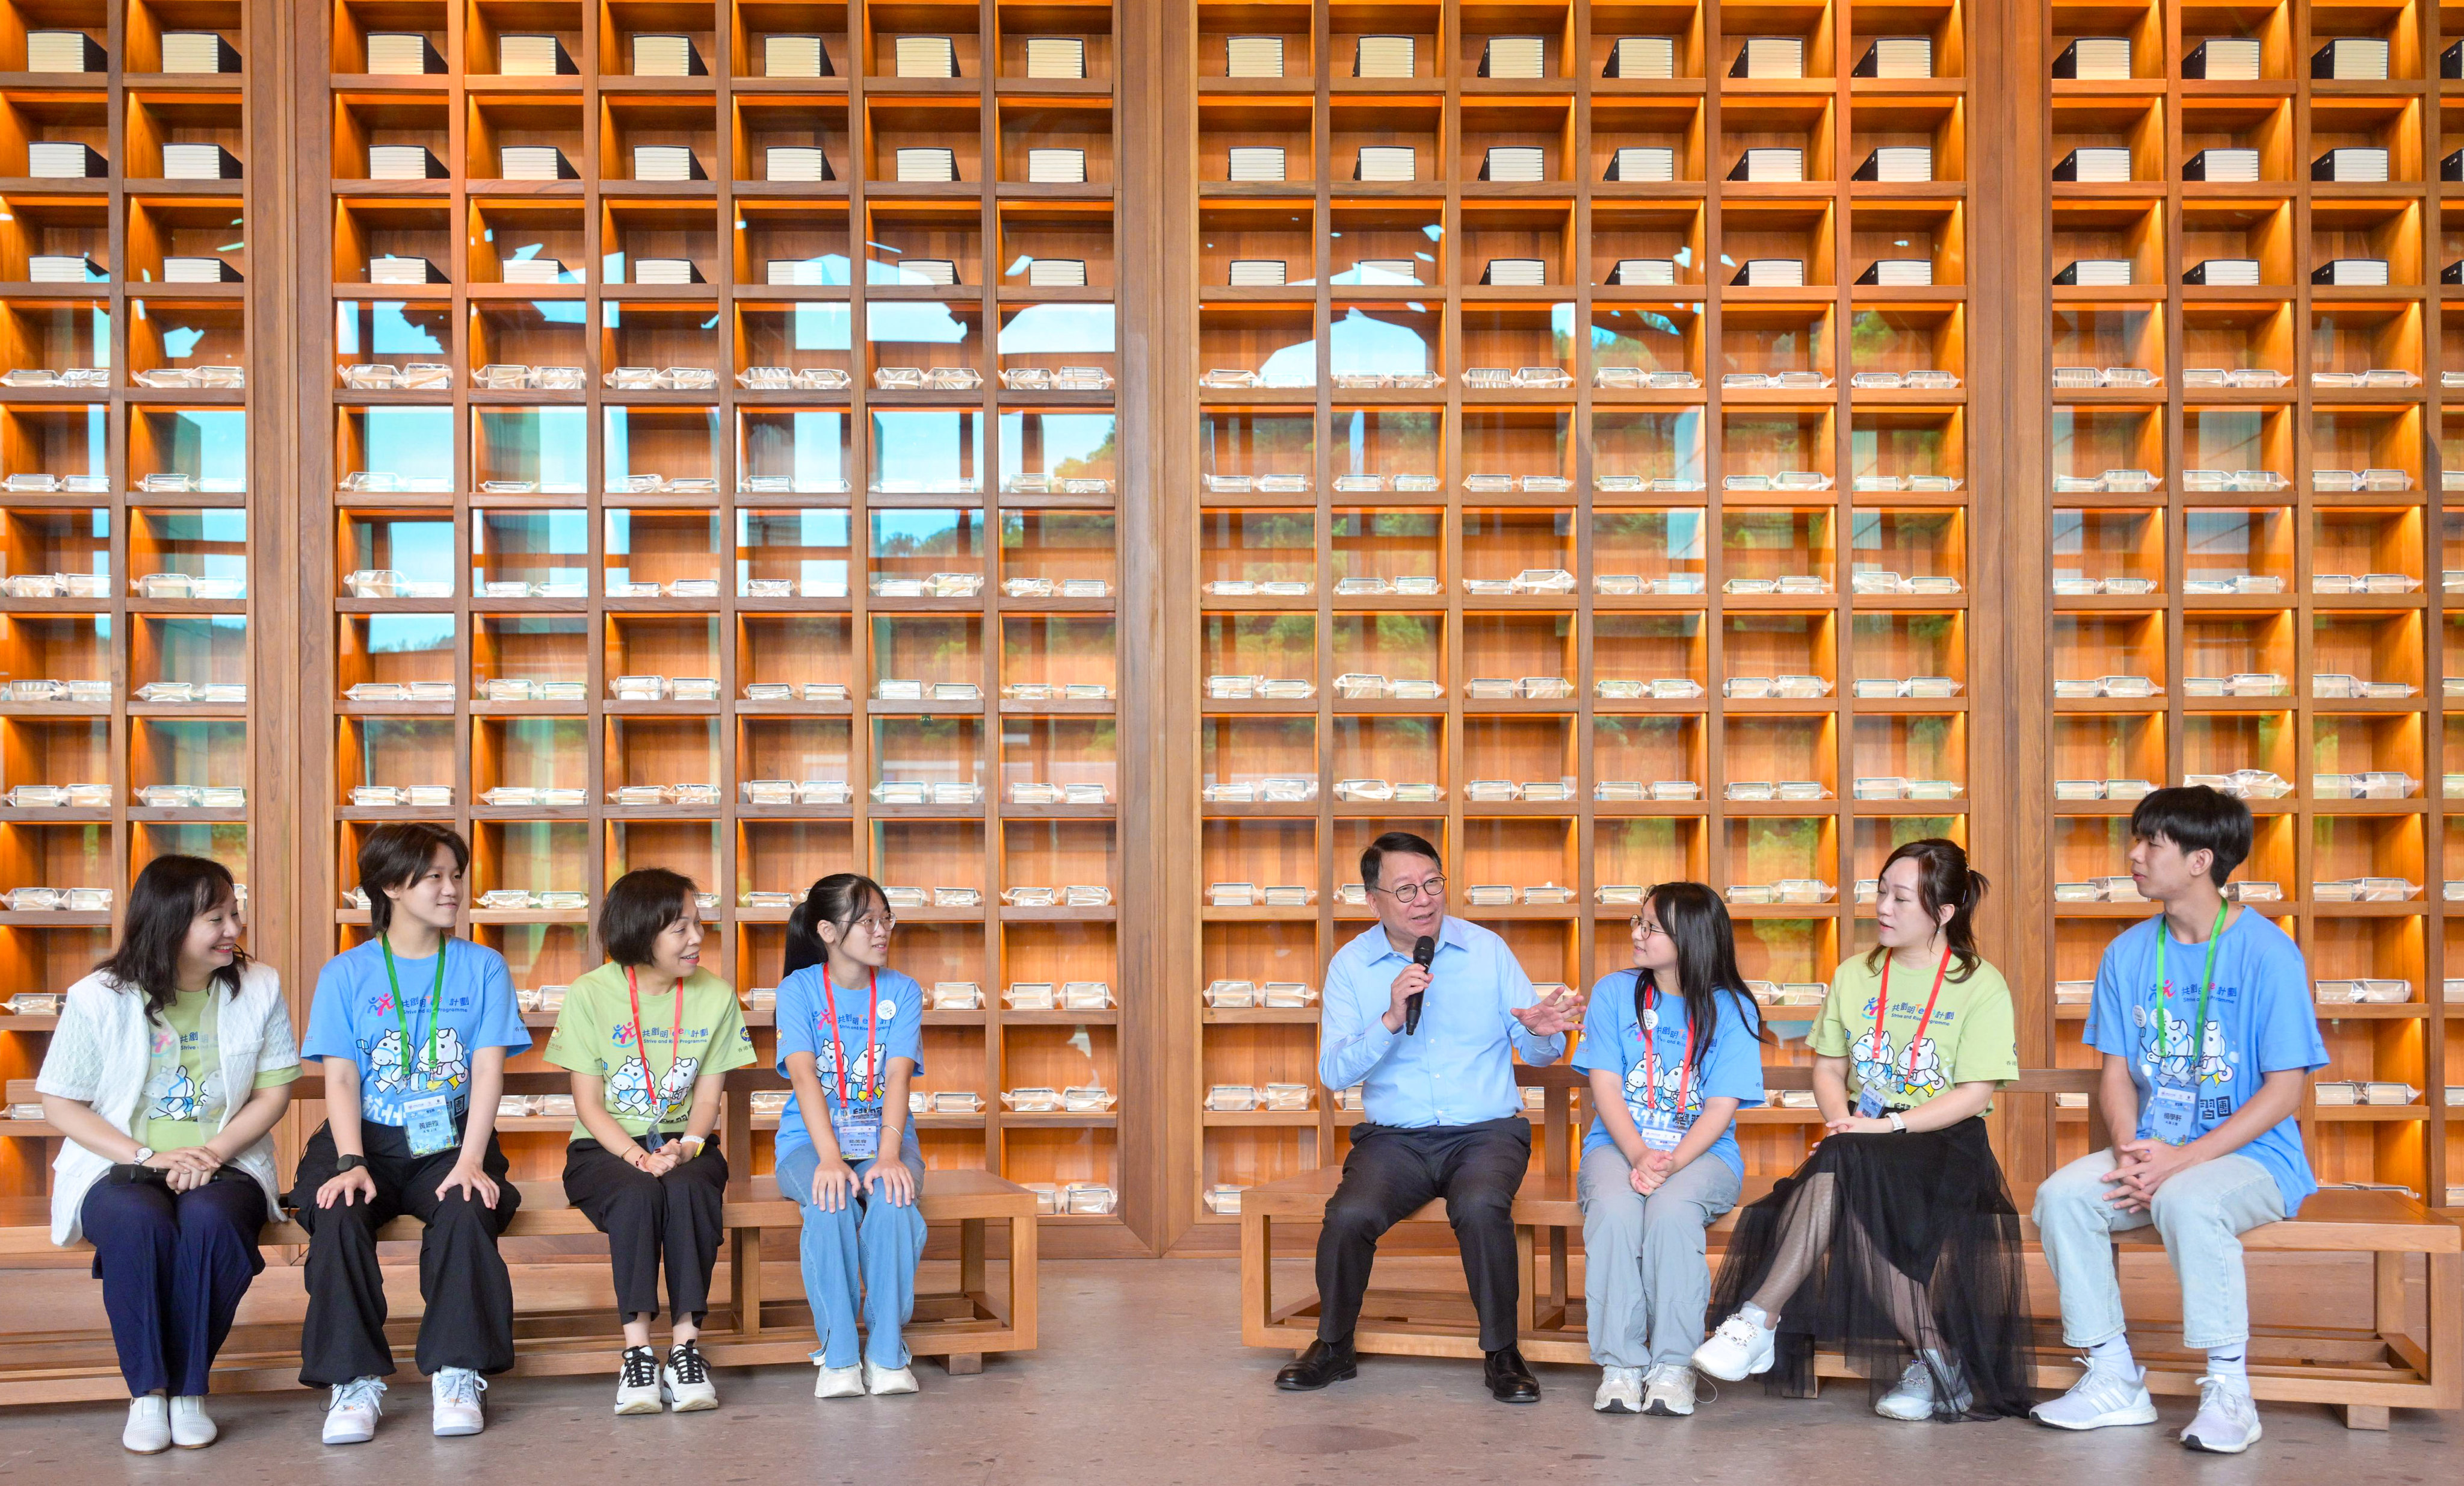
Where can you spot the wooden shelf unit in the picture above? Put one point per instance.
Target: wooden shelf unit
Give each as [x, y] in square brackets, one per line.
[1323, 222]
[926, 490]
[126, 321]
[2292, 225]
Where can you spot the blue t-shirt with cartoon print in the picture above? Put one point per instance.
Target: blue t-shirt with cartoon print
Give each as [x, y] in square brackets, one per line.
[1731, 1067]
[2260, 1020]
[891, 1011]
[353, 1016]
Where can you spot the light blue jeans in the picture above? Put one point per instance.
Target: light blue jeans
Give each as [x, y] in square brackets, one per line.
[862, 1257]
[2202, 1213]
[1645, 1281]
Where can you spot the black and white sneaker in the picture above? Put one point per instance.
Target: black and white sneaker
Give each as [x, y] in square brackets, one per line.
[687, 1379]
[637, 1382]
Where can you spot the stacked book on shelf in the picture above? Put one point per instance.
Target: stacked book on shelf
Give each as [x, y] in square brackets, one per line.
[2096, 273]
[795, 56]
[2223, 273]
[2352, 163]
[194, 162]
[796, 163]
[1898, 162]
[1769, 164]
[64, 52]
[2351, 60]
[2095, 59]
[924, 57]
[1255, 163]
[1056, 56]
[1768, 58]
[1898, 273]
[2218, 163]
[1652, 58]
[665, 57]
[198, 52]
[403, 53]
[927, 164]
[1643, 163]
[1518, 163]
[403, 163]
[1514, 56]
[666, 162]
[533, 57]
[1253, 57]
[54, 160]
[2223, 59]
[534, 162]
[1897, 56]
[1771, 273]
[2096, 164]
[1386, 163]
[1384, 57]
[1056, 167]
[1256, 272]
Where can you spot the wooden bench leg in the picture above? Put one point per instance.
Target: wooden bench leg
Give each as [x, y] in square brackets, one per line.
[971, 1257]
[963, 1364]
[1526, 1246]
[2365, 1417]
[744, 1272]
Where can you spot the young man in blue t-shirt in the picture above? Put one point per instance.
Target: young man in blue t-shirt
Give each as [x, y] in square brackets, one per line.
[2205, 1018]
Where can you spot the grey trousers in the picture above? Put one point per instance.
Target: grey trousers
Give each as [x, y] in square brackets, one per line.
[1645, 1281]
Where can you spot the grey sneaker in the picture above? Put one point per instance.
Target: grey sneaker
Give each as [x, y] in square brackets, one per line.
[1911, 1398]
[2227, 1422]
[1668, 1391]
[1620, 1391]
[457, 1410]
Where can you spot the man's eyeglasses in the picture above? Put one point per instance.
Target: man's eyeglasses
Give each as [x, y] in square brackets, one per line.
[1410, 893]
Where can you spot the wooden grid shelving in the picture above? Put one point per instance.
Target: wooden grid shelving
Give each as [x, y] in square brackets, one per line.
[2292, 225]
[1327, 322]
[809, 485]
[138, 413]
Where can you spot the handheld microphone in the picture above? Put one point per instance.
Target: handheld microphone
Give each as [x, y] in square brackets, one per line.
[1422, 953]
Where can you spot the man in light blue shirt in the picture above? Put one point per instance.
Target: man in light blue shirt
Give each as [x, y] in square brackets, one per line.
[1432, 1049]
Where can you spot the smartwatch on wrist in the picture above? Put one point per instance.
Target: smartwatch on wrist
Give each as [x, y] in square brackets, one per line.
[342, 1163]
[1898, 1123]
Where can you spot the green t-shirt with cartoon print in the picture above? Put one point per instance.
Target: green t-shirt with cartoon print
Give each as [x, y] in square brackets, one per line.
[1970, 1038]
[183, 1076]
[594, 1034]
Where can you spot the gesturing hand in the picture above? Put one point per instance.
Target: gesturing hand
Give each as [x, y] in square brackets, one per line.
[1560, 1013]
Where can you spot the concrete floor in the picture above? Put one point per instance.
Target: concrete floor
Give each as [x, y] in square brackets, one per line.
[1141, 1378]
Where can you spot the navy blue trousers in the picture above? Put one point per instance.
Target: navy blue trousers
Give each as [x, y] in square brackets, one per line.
[173, 1266]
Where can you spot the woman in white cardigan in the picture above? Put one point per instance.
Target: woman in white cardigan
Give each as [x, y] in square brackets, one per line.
[172, 1063]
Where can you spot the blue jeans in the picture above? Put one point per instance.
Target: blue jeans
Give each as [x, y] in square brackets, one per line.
[2201, 1212]
[862, 1257]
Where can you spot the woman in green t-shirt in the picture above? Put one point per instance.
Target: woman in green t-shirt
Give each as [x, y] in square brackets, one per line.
[649, 1038]
[1896, 1242]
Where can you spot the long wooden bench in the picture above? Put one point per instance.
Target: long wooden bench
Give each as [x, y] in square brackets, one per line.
[746, 1328]
[2362, 1371]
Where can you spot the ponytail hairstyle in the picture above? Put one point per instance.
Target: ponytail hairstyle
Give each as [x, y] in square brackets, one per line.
[1697, 922]
[838, 900]
[1943, 880]
[170, 894]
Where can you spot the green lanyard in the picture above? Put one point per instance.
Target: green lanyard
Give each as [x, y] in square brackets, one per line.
[2207, 980]
[435, 1006]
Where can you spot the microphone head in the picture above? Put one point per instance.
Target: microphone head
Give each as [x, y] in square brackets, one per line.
[1424, 951]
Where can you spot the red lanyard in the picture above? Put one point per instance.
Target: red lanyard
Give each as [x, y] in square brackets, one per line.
[873, 1025]
[1882, 1008]
[675, 1043]
[1651, 1062]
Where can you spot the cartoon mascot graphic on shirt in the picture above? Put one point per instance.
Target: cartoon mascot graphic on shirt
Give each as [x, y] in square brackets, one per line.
[865, 1065]
[1923, 1077]
[451, 1069]
[175, 1096]
[2164, 1046]
[1873, 1063]
[628, 1093]
[2216, 1064]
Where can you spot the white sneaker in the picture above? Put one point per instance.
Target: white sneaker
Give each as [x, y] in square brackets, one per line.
[191, 1428]
[637, 1382]
[1737, 1351]
[2228, 1419]
[686, 1377]
[2102, 1397]
[1620, 1391]
[149, 1426]
[1911, 1398]
[839, 1383]
[879, 1381]
[458, 1392]
[351, 1416]
[1668, 1391]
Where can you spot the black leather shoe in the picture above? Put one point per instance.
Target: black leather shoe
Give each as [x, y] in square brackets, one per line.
[1324, 1362]
[1509, 1380]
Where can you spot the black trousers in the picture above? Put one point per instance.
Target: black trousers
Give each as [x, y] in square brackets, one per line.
[173, 1266]
[1389, 1174]
[649, 1218]
[470, 1297]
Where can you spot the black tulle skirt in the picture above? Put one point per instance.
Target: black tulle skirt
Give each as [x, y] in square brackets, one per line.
[1930, 1205]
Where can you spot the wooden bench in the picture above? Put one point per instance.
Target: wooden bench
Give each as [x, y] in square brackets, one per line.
[2364, 1370]
[746, 1328]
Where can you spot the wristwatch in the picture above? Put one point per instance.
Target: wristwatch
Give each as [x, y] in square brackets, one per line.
[144, 1154]
[1898, 1123]
[342, 1163]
